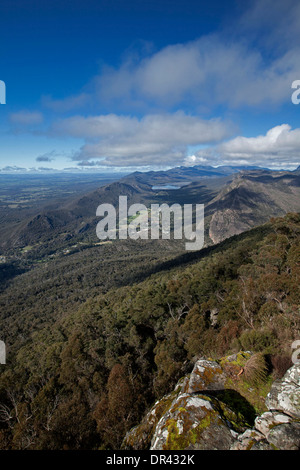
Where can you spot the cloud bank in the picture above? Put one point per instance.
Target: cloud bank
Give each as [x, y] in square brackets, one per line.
[206, 73]
[251, 62]
[279, 147]
[157, 139]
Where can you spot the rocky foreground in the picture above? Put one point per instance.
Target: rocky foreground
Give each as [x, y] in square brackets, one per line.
[214, 409]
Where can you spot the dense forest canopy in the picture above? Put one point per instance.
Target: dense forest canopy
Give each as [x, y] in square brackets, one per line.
[81, 380]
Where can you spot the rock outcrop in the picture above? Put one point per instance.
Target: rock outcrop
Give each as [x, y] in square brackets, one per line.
[285, 395]
[205, 412]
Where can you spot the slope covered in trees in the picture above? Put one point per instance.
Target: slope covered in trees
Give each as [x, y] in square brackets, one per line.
[86, 380]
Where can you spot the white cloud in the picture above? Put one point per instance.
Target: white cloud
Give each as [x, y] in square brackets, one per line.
[251, 62]
[208, 72]
[157, 139]
[278, 148]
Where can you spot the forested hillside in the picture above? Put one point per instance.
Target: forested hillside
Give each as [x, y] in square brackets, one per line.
[87, 380]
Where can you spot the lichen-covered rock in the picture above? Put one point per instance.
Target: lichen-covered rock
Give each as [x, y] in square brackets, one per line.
[285, 393]
[280, 426]
[262, 445]
[269, 420]
[139, 438]
[188, 418]
[273, 431]
[192, 422]
[238, 358]
[206, 411]
[211, 375]
[251, 439]
[285, 436]
[206, 375]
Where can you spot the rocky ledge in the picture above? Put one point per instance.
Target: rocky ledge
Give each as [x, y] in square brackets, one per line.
[207, 411]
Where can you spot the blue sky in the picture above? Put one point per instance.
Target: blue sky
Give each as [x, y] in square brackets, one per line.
[113, 84]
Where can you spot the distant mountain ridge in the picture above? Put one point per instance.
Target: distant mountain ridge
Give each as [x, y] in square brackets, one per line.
[236, 199]
[185, 173]
[251, 199]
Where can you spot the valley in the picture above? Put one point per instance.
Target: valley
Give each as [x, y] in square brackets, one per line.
[89, 322]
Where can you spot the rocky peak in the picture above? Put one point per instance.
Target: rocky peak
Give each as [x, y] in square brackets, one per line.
[205, 412]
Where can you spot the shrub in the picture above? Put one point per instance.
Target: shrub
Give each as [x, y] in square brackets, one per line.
[256, 369]
[258, 340]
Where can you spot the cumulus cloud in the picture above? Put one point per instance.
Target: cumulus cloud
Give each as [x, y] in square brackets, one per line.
[249, 63]
[281, 144]
[207, 72]
[278, 148]
[157, 139]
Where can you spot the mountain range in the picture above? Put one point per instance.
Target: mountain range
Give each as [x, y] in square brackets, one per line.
[235, 198]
